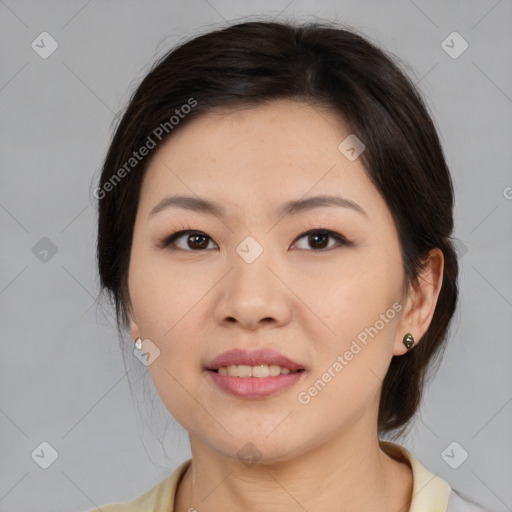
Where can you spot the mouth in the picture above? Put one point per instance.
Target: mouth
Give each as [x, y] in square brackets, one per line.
[254, 374]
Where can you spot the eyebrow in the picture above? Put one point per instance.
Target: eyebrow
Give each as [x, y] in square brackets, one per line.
[293, 207]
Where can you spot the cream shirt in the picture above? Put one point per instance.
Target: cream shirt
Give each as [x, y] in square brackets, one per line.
[430, 493]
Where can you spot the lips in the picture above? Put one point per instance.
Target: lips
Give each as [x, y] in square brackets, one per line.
[253, 358]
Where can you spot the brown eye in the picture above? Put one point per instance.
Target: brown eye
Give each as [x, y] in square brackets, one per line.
[318, 239]
[195, 240]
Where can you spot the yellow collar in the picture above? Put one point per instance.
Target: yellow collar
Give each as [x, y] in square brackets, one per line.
[429, 492]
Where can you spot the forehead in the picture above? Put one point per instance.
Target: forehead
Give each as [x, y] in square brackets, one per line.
[264, 155]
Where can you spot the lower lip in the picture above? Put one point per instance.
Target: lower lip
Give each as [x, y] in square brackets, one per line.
[254, 387]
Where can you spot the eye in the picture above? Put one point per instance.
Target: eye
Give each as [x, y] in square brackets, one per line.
[318, 239]
[195, 240]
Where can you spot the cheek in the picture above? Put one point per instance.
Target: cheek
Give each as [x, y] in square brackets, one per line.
[355, 340]
[351, 297]
[165, 313]
[162, 294]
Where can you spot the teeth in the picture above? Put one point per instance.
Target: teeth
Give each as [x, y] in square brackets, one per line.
[261, 370]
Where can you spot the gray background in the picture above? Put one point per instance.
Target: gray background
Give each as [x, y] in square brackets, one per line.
[62, 377]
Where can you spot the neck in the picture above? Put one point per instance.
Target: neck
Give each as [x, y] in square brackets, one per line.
[347, 473]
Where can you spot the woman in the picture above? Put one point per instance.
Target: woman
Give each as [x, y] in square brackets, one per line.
[302, 168]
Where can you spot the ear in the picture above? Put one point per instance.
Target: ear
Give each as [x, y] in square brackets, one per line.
[421, 301]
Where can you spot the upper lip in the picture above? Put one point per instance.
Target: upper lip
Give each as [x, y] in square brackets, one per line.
[253, 358]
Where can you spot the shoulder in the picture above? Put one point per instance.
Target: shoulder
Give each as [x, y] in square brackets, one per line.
[430, 492]
[458, 502]
[159, 498]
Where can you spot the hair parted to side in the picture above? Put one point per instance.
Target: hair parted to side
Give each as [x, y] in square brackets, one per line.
[318, 62]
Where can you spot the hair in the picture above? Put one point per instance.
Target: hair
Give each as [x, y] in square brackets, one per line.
[254, 62]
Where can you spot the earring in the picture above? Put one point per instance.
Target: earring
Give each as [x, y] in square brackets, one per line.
[408, 340]
[138, 344]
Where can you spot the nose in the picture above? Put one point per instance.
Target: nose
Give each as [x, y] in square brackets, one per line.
[253, 295]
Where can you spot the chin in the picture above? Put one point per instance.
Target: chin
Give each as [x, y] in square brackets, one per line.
[259, 449]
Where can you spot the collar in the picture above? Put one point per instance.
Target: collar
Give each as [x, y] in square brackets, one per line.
[429, 492]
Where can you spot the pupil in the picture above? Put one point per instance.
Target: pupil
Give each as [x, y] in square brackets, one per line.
[315, 237]
[194, 239]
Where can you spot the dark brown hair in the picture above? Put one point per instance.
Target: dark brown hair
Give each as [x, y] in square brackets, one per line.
[254, 62]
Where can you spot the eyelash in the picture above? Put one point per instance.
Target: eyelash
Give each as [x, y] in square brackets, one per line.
[169, 240]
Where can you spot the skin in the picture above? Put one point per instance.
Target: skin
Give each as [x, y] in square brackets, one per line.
[310, 305]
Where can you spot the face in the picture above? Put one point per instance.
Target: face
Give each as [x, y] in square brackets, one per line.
[321, 285]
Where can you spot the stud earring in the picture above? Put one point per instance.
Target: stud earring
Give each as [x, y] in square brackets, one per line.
[138, 344]
[408, 340]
